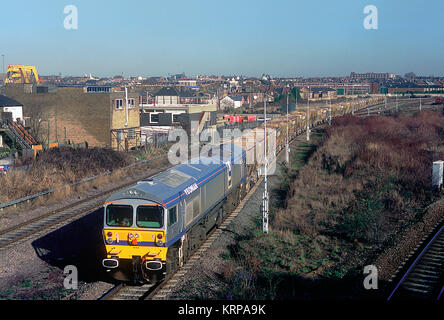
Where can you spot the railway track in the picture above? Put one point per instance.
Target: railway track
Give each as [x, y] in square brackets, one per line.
[424, 278]
[160, 291]
[125, 292]
[37, 226]
[59, 217]
[380, 109]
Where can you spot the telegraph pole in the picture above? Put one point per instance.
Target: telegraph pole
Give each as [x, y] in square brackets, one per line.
[420, 104]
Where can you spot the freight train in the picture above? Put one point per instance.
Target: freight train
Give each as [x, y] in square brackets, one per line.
[151, 228]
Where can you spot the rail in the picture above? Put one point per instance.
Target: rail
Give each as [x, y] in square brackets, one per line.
[422, 276]
[51, 190]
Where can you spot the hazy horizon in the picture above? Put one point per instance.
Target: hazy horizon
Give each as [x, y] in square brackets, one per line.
[284, 38]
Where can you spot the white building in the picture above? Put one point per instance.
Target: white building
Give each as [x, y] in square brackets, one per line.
[10, 105]
[231, 102]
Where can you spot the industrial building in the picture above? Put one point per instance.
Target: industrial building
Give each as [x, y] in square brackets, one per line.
[371, 76]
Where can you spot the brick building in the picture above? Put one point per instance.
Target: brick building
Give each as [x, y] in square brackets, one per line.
[97, 115]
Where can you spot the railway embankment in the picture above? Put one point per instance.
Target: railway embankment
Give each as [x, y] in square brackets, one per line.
[62, 170]
[363, 196]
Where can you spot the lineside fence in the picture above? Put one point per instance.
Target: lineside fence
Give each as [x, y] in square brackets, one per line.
[14, 203]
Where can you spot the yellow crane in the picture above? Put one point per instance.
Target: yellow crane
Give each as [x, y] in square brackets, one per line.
[22, 74]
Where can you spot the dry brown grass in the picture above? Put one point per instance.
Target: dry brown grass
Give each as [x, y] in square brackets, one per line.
[58, 167]
[368, 177]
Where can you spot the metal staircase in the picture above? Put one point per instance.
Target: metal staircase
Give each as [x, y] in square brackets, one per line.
[18, 133]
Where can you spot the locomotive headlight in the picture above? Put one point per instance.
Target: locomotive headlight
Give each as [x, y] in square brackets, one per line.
[130, 236]
[109, 240]
[136, 236]
[159, 243]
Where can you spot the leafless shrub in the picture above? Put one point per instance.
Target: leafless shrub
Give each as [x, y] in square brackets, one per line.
[392, 156]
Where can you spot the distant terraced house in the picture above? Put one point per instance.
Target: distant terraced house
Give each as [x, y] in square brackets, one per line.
[102, 116]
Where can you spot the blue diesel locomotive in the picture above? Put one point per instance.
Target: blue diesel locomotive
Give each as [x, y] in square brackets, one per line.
[151, 228]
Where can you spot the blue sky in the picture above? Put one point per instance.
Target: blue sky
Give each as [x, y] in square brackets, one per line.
[280, 37]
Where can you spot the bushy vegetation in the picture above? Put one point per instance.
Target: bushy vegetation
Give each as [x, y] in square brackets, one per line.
[57, 167]
[368, 179]
[4, 152]
[369, 176]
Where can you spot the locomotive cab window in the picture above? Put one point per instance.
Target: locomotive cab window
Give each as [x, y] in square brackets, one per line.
[172, 216]
[119, 216]
[149, 216]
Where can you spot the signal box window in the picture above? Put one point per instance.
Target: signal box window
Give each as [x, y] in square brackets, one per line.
[119, 216]
[149, 217]
[154, 118]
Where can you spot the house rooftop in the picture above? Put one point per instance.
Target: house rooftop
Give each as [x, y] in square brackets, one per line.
[167, 91]
[171, 91]
[8, 102]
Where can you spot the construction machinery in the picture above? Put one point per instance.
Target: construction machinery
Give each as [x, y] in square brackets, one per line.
[22, 74]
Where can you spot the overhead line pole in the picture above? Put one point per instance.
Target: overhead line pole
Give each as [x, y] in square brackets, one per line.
[308, 114]
[287, 149]
[329, 111]
[265, 195]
